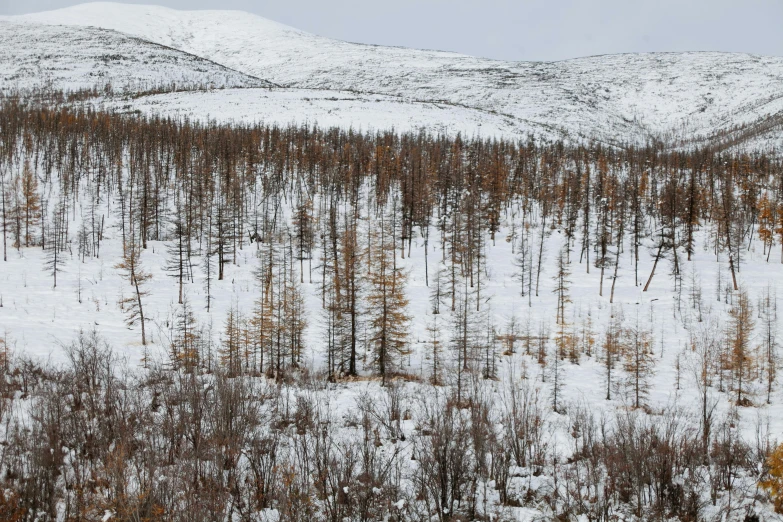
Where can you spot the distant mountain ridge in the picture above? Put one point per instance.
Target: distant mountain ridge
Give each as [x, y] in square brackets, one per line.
[678, 98]
[73, 58]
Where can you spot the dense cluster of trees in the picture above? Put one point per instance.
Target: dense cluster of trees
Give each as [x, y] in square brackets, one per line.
[207, 437]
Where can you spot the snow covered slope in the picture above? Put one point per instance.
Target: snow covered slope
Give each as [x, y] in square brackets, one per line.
[618, 98]
[82, 57]
[344, 109]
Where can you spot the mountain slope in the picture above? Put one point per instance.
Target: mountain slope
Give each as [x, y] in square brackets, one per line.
[69, 58]
[343, 109]
[616, 99]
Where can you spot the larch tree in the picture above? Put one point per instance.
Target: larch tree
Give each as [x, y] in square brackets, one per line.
[466, 335]
[706, 350]
[438, 289]
[386, 303]
[294, 319]
[207, 266]
[435, 354]
[489, 342]
[766, 223]
[556, 376]
[31, 202]
[56, 242]
[638, 362]
[5, 208]
[15, 217]
[619, 205]
[523, 261]
[562, 287]
[612, 349]
[352, 289]
[768, 309]
[185, 346]
[178, 254]
[137, 277]
[230, 353]
[773, 481]
[304, 231]
[741, 328]
[266, 316]
[565, 340]
[603, 239]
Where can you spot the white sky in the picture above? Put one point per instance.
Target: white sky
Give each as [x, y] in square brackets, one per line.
[516, 30]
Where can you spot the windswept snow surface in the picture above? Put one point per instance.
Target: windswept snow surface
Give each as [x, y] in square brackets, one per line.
[616, 99]
[71, 58]
[344, 109]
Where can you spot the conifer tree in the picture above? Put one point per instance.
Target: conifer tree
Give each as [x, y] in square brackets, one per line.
[511, 334]
[5, 207]
[137, 277]
[465, 332]
[334, 331]
[230, 353]
[705, 347]
[612, 349]
[561, 287]
[386, 303]
[56, 242]
[304, 231]
[15, 217]
[262, 325]
[556, 373]
[489, 348]
[178, 252]
[740, 332]
[31, 202]
[773, 483]
[435, 350]
[768, 308]
[294, 312]
[438, 290]
[638, 362]
[766, 224]
[207, 266]
[523, 261]
[603, 240]
[352, 288]
[185, 348]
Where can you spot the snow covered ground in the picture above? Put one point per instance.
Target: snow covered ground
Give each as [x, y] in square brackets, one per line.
[38, 319]
[344, 109]
[629, 98]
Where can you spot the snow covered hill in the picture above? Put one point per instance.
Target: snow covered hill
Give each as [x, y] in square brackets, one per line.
[615, 99]
[70, 58]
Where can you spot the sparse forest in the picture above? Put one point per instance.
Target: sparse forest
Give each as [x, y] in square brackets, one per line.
[433, 328]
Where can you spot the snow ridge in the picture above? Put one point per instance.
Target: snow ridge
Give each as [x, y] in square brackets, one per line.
[71, 58]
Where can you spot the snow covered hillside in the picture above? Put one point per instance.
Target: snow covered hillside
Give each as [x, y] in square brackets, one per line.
[616, 99]
[343, 109]
[72, 58]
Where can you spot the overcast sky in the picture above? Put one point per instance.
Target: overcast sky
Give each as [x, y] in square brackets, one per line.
[516, 30]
